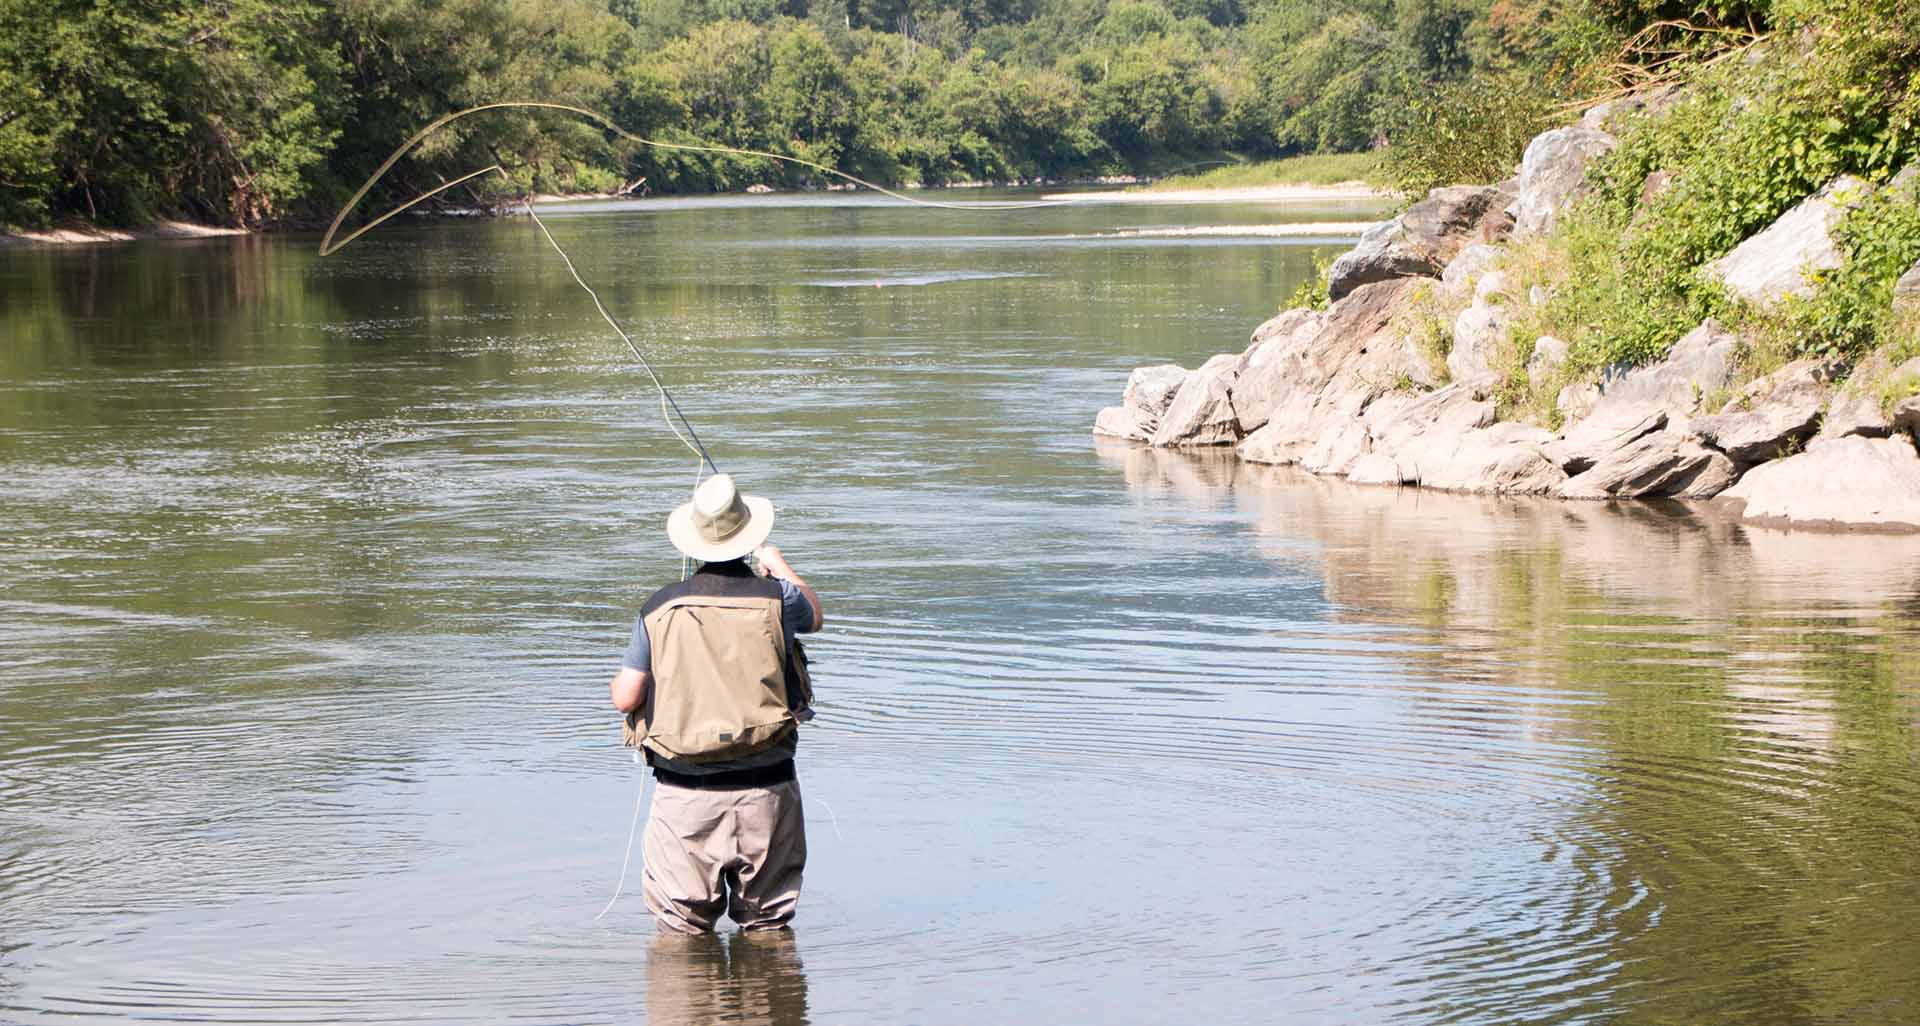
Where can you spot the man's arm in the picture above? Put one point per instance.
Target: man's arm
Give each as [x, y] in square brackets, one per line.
[776, 565]
[628, 688]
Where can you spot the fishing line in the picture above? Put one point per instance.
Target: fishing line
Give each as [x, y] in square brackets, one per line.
[669, 408]
[328, 247]
[633, 830]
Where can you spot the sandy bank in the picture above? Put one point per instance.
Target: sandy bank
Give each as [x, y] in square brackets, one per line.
[1308, 229]
[1298, 193]
[79, 236]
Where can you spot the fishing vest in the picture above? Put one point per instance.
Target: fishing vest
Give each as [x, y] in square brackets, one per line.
[725, 684]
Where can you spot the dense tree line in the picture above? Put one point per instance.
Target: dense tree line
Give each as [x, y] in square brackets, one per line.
[251, 111]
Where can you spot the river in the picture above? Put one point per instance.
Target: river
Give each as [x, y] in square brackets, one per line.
[314, 572]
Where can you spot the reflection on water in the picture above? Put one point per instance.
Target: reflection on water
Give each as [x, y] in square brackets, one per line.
[1723, 715]
[315, 571]
[754, 979]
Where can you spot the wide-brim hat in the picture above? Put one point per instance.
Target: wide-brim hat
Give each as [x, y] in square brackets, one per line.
[719, 523]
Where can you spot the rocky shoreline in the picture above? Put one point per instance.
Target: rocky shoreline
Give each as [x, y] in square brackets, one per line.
[1355, 391]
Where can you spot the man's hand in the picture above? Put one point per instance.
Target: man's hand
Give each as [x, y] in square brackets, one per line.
[776, 565]
[773, 562]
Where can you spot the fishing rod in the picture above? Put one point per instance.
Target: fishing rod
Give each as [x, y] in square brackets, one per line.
[670, 410]
[691, 438]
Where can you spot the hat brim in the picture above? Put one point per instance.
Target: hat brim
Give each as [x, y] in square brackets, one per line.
[686, 537]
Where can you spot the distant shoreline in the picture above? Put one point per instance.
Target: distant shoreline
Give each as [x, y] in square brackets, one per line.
[82, 235]
[89, 235]
[1299, 192]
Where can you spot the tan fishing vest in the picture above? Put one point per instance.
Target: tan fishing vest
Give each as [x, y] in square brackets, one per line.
[724, 684]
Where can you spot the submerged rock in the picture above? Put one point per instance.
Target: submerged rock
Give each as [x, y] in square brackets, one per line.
[1553, 173]
[1418, 243]
[1851, 481]
[1771, 415]
[1774, 262]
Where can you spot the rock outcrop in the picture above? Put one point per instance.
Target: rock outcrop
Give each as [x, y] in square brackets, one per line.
[1477, 330]
[1654, 464]
[1771, 415]
[1417, 244]
[1850, 481]
[1774, 262]
[1150, 390]
[1553, 173]
[1349, 392]
[1201, 412]
[1702, 361]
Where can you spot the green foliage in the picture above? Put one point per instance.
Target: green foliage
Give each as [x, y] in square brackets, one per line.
[1312, 293]
[1471, 131]
[1750, 139]
[1851, 310]
[113, 110]
[244, 111]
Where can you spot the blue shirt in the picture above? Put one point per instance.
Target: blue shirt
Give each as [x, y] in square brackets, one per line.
[796, 617]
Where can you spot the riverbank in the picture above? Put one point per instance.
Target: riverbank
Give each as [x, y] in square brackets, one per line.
[1433, 360]
[1292, 193]
[87, 234]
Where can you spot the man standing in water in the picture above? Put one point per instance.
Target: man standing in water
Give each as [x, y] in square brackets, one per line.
[714, 690]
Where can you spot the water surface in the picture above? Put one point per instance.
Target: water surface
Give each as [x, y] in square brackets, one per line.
[315, 571]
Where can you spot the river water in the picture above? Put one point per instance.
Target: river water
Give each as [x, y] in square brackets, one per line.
[314, 572]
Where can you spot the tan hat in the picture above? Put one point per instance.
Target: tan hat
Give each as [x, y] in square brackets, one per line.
[720, 523]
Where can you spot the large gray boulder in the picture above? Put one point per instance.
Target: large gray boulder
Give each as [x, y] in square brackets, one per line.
[1354, 346]
[1202, 410]
[1851, 481]
[1771, 415]
[1659, 463]
[1418, 243]
[1466, 267]
[1906, 416]
[1282, 325]
[1701, 362]
[1774, 262]
[1856, 409]
[1397, 422]
[1116, 422]
[1500, 459]
[1553, 173]
[1591, 440]
[1150, 390]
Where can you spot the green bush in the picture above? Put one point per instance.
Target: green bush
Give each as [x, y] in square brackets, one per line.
[1471, 131]
[1851, 310]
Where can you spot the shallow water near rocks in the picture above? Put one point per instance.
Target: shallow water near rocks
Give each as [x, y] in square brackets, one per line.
[315, 571]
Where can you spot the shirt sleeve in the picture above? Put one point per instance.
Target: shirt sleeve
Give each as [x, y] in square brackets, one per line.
[640, 653]
[796, 613]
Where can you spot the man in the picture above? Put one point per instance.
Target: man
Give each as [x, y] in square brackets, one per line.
[714, 693]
